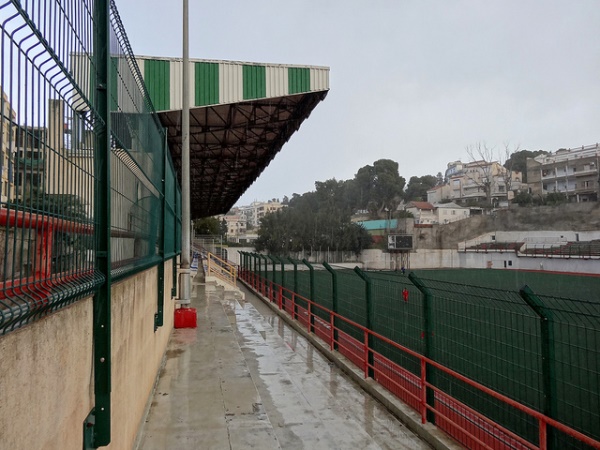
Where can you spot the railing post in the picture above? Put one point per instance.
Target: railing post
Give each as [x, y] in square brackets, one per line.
[280, 297]
[427, 320]
[369, 306]
[99, 417]
[334, 295]
[311, 327]
[548, 357]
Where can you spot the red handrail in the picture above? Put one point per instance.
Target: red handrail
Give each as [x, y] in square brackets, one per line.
[425, 362]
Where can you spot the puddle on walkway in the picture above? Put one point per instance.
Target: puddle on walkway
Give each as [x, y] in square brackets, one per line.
[309, 401]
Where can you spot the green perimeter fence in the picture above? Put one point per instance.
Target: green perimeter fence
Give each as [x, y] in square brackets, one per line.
[530, 336]
[88, 190]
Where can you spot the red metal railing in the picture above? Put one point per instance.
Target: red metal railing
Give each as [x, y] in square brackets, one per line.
[37, 286]
[463, 423]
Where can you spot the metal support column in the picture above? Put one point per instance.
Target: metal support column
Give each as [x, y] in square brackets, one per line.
[99, 418]
[427, 320]
[184, 277]
[370, 313]
[334, 295]
[548, 357]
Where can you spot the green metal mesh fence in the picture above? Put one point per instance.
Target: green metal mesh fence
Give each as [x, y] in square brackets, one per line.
[48, 185]
[398, 316]
[351, 301]
[533, 346]
[323, 291]
[576, 364]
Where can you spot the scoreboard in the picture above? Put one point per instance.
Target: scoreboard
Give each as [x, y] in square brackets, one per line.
[400, 242]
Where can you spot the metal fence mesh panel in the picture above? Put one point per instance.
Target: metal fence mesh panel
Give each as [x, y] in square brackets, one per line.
[398, 316]
[492, 337]
[576, 327]
[323, 291]
[48, 184]
[352, 302]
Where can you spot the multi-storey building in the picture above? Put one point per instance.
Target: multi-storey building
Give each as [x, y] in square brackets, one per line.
[6, 150]
[469, 182]
[29, 162]
[236, 224]
[258, 210]
[573, 172]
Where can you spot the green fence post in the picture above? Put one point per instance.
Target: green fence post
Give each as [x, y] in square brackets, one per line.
[99, 417]
[312, 295]
[174, 266]
[369, 303]
[295, 264]
[158, 316]
[252, 268]
[258, 272]
[334, 295]
[548, 357]
[266, 274]
[282, 262]
[274, 265]
[427, 321]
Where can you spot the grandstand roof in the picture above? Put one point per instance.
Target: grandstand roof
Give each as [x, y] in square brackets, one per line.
[241, 115]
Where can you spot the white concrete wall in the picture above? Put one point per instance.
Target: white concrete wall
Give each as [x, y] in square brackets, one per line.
[46, 373]
[447, 259]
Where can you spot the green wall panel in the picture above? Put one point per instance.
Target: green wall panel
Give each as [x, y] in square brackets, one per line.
[298, 80]
[157, 76]
[255, 82]
[206, 77]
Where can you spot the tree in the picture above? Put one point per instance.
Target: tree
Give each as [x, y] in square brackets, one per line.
[517, 160]
[207, 226]
[379, 185]
[418, 186]
[440, 180]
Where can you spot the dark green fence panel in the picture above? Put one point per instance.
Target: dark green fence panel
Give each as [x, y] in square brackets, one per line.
[323, 291]
[492, 337]
[398, 307]
[352, 301]
[576, 364]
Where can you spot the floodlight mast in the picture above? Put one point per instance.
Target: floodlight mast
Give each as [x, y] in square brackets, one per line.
[184, 277]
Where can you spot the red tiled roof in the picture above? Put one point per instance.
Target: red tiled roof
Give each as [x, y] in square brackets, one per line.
[420, 205]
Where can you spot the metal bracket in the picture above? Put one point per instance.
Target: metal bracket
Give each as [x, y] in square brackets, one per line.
[88, 431]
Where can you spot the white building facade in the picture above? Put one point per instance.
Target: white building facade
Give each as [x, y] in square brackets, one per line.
[573, 172]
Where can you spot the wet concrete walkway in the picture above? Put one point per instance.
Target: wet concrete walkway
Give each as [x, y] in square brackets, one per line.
[244, 379]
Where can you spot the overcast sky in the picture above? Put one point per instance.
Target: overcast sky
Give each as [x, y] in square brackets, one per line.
[412, 81]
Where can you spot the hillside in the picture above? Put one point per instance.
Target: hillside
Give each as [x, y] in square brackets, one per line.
[572, 216]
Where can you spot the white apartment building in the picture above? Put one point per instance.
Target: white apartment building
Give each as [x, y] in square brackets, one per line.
[573, 172]
[258, 210]
[425, 213]
[236, 224]
[450, 212]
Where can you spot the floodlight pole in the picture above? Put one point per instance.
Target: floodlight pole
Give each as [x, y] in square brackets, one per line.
[184, 278]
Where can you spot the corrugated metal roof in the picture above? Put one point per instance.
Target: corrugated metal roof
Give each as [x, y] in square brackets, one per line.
[233, 80]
